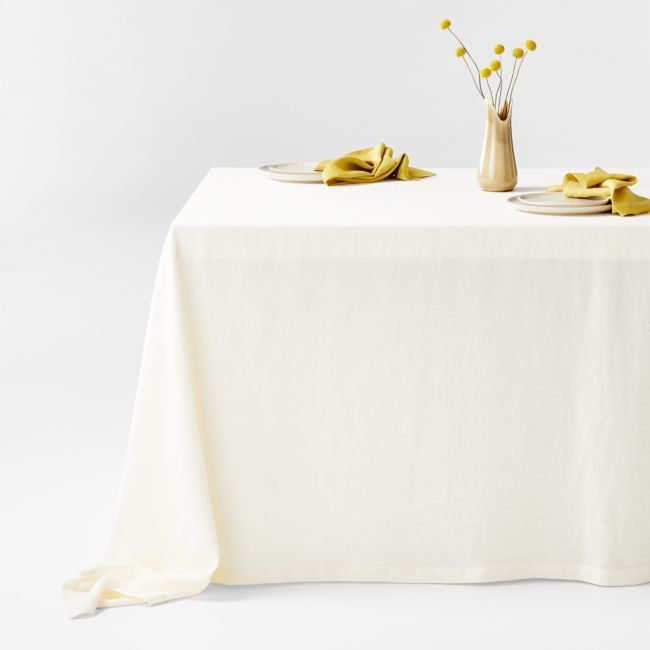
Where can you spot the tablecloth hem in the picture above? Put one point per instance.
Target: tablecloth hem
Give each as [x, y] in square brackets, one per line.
[443, 575]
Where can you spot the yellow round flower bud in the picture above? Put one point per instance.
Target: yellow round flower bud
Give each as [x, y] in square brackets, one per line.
[445, 24]
[494, 65]
[460, 51]
[486, 72]
[517, 53]
[499, 49]
[531, 45]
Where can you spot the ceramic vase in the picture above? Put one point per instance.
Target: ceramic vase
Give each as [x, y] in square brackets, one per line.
[497, 171]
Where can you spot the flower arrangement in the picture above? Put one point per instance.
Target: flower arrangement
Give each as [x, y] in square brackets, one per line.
[501, 100]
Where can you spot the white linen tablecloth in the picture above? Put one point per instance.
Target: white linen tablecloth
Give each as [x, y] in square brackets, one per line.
[390, 382]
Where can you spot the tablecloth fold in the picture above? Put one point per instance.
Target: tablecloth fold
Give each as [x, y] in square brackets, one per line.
[164, 543]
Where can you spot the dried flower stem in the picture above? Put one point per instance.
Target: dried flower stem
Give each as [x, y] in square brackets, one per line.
[478, 72]
[487, 81]
[500, 88]
[514, 83]
[512, 76]
[471, 74]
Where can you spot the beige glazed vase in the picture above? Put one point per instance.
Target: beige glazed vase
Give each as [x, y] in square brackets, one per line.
[498, 169]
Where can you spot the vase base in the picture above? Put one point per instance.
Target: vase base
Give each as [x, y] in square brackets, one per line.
[498, 188]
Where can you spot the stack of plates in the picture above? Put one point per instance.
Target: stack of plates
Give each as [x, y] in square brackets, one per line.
[557, 203]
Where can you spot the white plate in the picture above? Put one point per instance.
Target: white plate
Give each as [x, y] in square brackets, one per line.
[558, 200]
[293, 172]
[538, 209]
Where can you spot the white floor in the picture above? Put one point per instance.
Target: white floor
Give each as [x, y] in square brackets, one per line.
[73, 302]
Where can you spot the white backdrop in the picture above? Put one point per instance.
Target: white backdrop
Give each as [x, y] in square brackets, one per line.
[121, 106]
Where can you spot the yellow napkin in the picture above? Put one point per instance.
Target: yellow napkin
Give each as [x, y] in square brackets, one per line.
[601, 184]
[368, 166]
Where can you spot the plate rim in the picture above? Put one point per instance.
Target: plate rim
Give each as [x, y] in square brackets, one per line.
[272, 168]
[593, 201]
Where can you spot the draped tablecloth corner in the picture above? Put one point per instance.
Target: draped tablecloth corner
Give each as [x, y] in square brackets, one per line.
[111, 586]
[164, 543]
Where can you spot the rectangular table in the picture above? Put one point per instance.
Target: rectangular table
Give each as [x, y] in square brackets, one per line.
[389, 382]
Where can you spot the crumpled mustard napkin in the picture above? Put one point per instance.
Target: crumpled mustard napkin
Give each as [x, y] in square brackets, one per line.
[368, 166]
[602, 184]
